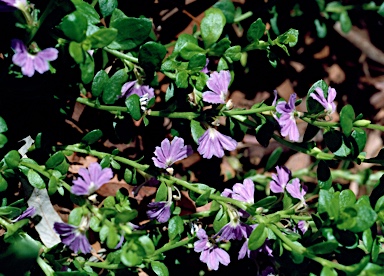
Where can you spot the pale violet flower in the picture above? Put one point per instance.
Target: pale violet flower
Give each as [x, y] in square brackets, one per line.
[212, 142]
[30, 63]
[211, 254]
[133, 87]
[29, 212]
[303, 226]
[218, 84]
[73, 236]
[243, 192]
[280, 180]
[10, 5]
[91, 179]
[327, 103]
[170, 152]
[296, 190]
[159, 210]
[286, 118]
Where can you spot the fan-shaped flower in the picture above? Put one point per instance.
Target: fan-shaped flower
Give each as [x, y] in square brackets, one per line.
[91, 179]
[286, 118]
[160, 210]
[133, 87]
[73, 236]
[218, 83]
[170, 152]
[213, 142]
[280, 180]
[30, 63]
[327, 103]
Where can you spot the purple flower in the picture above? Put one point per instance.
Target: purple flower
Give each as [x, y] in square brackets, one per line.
[170, 152]
[133, 87]
[265, 248]
[210, 253]
[243, 192]
[92, 179]
[268, 271]
[10, 5]
[27, 213]
[280, 180]
[218, 83]
[295, 190]
[286, 119]
[160, 210]
[73, 236]
[234, 229]
[28, 62]
[302, 226]
[213, 142]
[328, 103]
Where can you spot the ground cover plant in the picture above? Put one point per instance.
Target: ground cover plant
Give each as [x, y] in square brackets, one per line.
[197, 137]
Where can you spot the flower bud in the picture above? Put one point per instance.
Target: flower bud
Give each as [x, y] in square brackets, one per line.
[362, 123]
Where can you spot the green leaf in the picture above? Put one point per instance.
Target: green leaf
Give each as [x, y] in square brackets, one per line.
[3, 140]
[147, 245]
[175, 227]
[182, 40]
[264, 133]
[324, 175]
[107, 7]
[329, 203]
[162, 193]
[112, 238]
[182, 79]
[346, 199]
[219, 48]
[125, 216]
[212, 26]
[12, 159]
[273, 158]
[75, 216]
[3, 125]
[256, 30]
[336, 142]
[92, 136]
[322, 248]
[345, 22]
[55, 160]
[290, 37]
[234, 53]
[159, 268]
[35, 179]
[151, 54]
[368, 239]
[221, 219]
[94, 224]
[381, 10]
[228, 9]
[197, 130]
[366, 216]
[99, 82]
[87, 10]
[131, 31]
[52, 185]
[133, 105]
[170, 92]
[360, 137]
[9, 211]
[87, 68]
[201, 81]
[189, 50]
[128, 175]
[3, 183]
[197, 62]
[103, 37]
[74, 26]
[327, 271]
[203, 199]
[347, 116]
[76, 51]
[257, 237]
[112, 89]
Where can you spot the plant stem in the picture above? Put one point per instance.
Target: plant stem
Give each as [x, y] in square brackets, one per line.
[243, 16]
[4, 223]
[180, 115]
[249, 111]
[45, 267]
[121, 55]
[43, 172]
[109, 108]
[295, 247]
[170, 246]
[103, 154]
[105, 265]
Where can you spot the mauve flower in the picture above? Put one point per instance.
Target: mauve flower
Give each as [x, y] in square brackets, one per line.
[133, 87]
[234, 229]
[213, 142]
[295, 190]
[218, 83]
[72, 236]
[91, 179]
[170, 152]
[265, 248]
[27, 213]
[243, 192]
[11, 5]
[28, 62]
[286, 119]
[302, 226]
[211, 254]
[328, 103]
[160, 210]
[280, 180]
